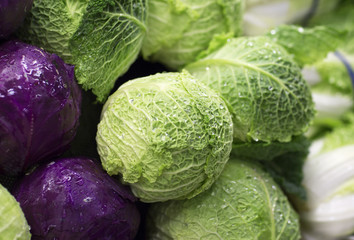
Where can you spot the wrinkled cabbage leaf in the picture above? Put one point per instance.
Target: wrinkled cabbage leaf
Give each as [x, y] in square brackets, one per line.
[179, 30]
[167, 135]
[244, 203]
[262, 85]
[283, 160]
[101, 38]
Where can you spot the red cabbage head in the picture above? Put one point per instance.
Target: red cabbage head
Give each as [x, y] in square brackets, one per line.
[39, 106]
[74, 198]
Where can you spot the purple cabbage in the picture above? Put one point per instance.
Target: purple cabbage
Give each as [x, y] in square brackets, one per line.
[74, 198]
[39, 106]
[12, 15]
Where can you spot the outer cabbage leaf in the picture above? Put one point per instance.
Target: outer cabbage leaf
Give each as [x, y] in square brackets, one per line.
[13, 224]
[262, 85]
[168, 135]
[266, 152]
[244, 203]
[101, 38]
[179, 30]
[308, 45]
[283, 160]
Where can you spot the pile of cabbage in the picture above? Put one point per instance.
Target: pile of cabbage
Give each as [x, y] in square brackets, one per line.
[176, 119]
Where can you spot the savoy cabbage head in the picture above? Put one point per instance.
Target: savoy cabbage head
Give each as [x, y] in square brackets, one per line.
[262, 84]
[244, 203]
[167, 135]
[179, 30]
[101, 38]
[327, 70]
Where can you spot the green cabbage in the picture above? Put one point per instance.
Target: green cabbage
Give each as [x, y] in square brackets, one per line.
[244, 203]
[261, 83]
[101, 38]
[13, 224]
[179, 30]
[168, 135]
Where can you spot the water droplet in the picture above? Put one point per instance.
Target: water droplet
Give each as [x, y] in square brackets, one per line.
[10, 92]
[270, 88]
[131, 100]
[87, 199]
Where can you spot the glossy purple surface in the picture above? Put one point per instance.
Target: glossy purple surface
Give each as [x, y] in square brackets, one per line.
[39, 106]
[12, 14]
[73, 198]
